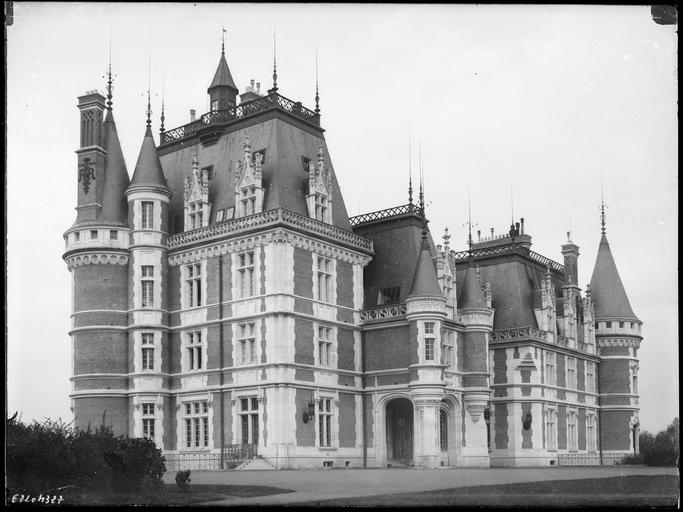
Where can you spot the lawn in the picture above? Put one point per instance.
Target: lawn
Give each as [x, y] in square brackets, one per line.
[172, 495]
[627, 491]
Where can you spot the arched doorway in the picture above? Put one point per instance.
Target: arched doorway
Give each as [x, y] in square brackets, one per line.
[399, 422]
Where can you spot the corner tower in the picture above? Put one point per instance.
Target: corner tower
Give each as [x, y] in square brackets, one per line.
[618, 337]
[97, 255]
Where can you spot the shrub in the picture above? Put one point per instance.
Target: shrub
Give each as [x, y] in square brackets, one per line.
[662, 449]
[182, 479]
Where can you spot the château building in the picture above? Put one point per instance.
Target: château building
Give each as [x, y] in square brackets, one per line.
[226, 306]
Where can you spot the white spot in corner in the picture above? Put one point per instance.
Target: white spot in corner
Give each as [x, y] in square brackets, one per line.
[660, 222]
[626, 56]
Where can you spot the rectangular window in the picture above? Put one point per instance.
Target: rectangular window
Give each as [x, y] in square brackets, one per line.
[621, 325]
[551, 429]
[608, 325]
[249, 420]
[634, 383]
[324, 346]
[93, 234]
[248, 200]
[194, 350]
[321, 206]
[590, 377]
[324, 279]
[77, 236]
[247, 343]
[591, 443]
[550, 375]
[196, 424]
[196, 215]
[246, 274]
[193, 285]
[325, 422]
[219, 215]
[572, 437]
[389, 295]
[148, 420]
[214, 105]
[429, 341]
[147, 283]
[147, 351]
[571, 372]
[113, 234]
[448, 349]
[147, 215]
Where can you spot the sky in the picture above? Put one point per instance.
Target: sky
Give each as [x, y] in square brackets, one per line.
[525, 109]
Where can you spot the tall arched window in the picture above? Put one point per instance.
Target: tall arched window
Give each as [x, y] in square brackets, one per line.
[443, 429]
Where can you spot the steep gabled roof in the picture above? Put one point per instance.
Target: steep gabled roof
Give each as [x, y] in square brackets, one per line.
[148, 171]
[116, 180]
[425, 282]
[609, 295]
[223, 77]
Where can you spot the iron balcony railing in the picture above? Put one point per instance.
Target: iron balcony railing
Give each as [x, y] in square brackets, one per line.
[462, 256]
[249, 108]
[385, 214]
[270, 218]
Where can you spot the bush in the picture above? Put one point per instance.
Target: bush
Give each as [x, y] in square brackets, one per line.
[182, 479]
[52, 454]
[662, 449]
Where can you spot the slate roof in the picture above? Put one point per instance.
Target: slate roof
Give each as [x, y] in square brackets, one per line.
[116, 180]
[223, 77]
[148, 171]
[425, 282]
[609, 295]
[471, 294]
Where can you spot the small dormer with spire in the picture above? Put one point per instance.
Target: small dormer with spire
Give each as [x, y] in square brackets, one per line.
[248, 183]
[196, 197]
[222, 91]
[546, 308]
[319, 197]
[446, 273]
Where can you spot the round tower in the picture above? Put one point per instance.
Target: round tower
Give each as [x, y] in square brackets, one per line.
[97, 256]
[477, 316]
[148, 198]
[617, 338]
[426, 311]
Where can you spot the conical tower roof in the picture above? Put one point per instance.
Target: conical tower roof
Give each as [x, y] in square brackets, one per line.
[116, 180]
[471, 295]
[609, 295]
[148, 170]
[425, 281]
[223, 77]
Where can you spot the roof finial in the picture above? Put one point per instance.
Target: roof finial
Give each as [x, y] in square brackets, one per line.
[602, 206]
[274, 89]
[110, 88]
[512, 207]
[162, 130]
[410, 176]
[446, 240]
[149, 102]
[223, 40]
[469, 222]
[422, 201]
[317, 96]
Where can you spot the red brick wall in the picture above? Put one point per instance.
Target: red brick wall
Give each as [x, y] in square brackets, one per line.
[100, 352]
[303, 341]
[581, 432]
[615, 431]
[614, 376]
[305, 432]
[344, 284]
[500, 426]
[169, 438]
[100, 287]
[580, 374]
[303, 272]
[526, 434]
[561, 427]
[387, 348]
[475, 352]
[174, 352]
[347, 420]
[561, 377]
[89, 411]
[213, 347]
[499, 366]
[345, 349]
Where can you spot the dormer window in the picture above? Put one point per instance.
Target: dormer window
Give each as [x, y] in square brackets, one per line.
[319, 197]
[248, 190]
[214, 105]
[197, 207]
[248, 200]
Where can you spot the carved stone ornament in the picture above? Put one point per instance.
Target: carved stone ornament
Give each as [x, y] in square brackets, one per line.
[476, 411]
[86, 172]
[96, 259]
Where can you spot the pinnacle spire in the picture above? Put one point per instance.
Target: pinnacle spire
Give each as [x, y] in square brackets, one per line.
[603, 207]
[223, 41]
[110, 88]
[410, 175]
[274, 89]
[163, 118]
[425, 281]
[422, 202]
[149, 102]
[317, 96]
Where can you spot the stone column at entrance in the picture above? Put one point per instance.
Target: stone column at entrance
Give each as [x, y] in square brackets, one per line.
[427, 447]
[475, 452]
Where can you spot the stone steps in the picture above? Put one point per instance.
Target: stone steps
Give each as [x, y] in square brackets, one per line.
[258, 463]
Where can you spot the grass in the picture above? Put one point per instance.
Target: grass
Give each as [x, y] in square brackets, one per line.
[626, 491]
[172, 495]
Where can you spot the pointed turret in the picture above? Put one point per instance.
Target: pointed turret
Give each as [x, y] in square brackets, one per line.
[425, 281]
[609, 295]
[114, 205]
[222, 91]
[148, 171]
[472, 295]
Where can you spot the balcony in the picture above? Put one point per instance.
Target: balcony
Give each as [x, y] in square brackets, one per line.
[273, 101]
